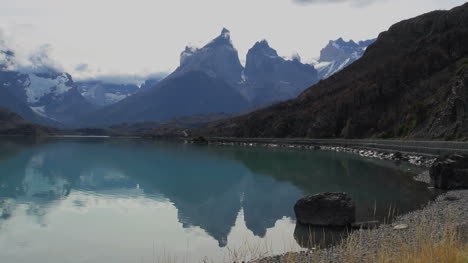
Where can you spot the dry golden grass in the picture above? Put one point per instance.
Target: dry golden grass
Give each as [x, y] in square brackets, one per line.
[428, 243]
[426, 249]
[429, 239]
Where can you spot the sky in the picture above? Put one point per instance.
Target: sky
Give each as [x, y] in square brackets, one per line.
[132, 39]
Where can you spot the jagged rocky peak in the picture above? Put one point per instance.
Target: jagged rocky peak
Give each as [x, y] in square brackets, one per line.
[224, 39]
[186, 54]
[261, 59]
[218, 59]
[263, 48]
[270, 78]
[225, 33]
[338, 49]
[339, 54]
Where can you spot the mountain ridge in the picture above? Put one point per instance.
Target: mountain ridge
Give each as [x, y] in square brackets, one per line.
[214, 68]
[338, 54]
[412, 82]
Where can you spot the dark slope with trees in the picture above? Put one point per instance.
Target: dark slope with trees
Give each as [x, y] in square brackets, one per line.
[13, 124]
[412, 82]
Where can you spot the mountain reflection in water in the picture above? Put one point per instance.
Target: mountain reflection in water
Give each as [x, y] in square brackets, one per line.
[180, 196]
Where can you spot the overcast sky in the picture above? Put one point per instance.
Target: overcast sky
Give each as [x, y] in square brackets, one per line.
[108, 37]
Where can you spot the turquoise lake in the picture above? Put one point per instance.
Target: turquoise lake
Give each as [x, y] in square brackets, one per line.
[129, 200]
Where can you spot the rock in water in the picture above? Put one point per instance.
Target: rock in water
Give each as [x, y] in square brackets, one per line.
[200, 140]
[325, 209]
[450, 172]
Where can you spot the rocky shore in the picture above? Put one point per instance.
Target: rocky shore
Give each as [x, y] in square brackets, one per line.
[448, 210]
[424, 160]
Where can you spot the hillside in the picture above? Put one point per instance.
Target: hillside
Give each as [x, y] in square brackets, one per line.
[172, 98]
[412, 82]
[12, 124]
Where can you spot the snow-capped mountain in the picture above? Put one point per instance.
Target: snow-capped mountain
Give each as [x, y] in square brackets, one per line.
[103, 94]
[107, 92]
[48, 97]
[339, 54]
[53, 95]
[11, 102]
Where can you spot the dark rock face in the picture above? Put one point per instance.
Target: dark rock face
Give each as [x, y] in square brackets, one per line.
[269, 78]
[410, 83]
[326, 209]
[450, 172]
[200, 140]
[218, 59]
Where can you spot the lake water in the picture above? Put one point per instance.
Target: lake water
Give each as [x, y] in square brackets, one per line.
[121, 200]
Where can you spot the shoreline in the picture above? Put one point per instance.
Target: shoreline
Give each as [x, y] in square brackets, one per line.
[418, 153]
[449, 210]
[369, 242]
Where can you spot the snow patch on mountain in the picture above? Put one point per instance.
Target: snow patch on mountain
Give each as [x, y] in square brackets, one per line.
[38, 87]
[103, 94]
[114, 98]
[339, 54]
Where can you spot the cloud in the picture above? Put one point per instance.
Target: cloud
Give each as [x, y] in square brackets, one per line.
[119, 78]
[356, 3]
[296, 57]
[83, 67]
[41, 60]
[84, 72]
[26, 58]
[2, 40]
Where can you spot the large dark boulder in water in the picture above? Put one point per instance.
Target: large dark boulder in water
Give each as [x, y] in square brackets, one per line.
[325, 209]
[450, 172]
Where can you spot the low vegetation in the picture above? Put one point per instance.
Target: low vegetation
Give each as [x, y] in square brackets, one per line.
[432, 238]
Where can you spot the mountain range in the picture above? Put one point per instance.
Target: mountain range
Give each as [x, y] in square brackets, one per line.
[209, 80]
[102, 94]
[411, 83]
